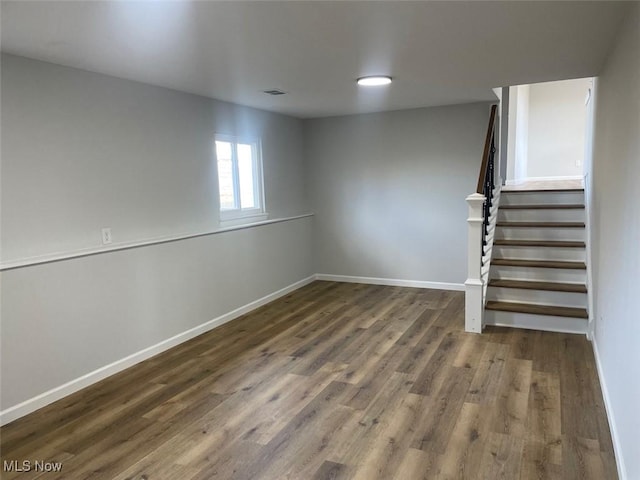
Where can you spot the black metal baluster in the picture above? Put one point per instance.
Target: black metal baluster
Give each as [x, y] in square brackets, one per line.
[489, 185]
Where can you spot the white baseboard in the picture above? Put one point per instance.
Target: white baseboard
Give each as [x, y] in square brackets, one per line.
[50, 396]
[39, 401]
[617, 448]
[392, 282]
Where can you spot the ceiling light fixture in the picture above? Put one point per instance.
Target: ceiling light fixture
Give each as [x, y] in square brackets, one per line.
[274, 91]
[374, 80]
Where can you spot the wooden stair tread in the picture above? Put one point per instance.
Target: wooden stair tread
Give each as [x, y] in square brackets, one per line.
[542, 224]
[544, 190]
[513, 262]
[531, 285]
[538, 309]
[539, 243]
[542, 206]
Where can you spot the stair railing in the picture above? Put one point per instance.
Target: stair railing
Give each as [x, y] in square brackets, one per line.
[483, 213]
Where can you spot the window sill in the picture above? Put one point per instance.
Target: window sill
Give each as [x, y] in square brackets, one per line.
[243, 220]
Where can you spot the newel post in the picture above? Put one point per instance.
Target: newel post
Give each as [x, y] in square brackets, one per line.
[473, 301]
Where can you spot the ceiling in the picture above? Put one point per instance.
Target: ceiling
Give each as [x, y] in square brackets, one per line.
[438, 52]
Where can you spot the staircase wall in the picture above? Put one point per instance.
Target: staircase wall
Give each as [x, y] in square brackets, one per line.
[616, 241]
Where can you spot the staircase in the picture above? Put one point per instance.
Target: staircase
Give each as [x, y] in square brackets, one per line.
[538, 276]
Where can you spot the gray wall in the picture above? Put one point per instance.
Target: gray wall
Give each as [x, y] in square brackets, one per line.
[388, 191]
[616, 237]
[62, 320]
[557, 125]
[81, 151]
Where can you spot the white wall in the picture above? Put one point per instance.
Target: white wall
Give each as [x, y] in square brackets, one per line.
[505, 108]
[616, 240]
[81, 151]
[557, 125]
[511, 136]
[389, 191]
[521, 134]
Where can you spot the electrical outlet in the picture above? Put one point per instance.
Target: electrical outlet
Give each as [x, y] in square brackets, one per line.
[106, 236]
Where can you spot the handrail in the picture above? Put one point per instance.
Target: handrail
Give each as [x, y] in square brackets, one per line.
[487, 149]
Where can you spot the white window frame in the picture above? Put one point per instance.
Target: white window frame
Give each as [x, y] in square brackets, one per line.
[239, 215]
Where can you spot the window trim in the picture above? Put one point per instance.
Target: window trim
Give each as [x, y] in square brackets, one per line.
[236, 216]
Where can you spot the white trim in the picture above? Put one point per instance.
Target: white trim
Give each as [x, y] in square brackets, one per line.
[54, 257]
[536, 328]
[258, 173]
[588, 257]
[246, 214]
[39, 401]
[244, 219]
[392, 282]
[617, 447]
[542, 179]
[474, 286]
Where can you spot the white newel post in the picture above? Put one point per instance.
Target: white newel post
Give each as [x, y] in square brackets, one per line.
[473, 301]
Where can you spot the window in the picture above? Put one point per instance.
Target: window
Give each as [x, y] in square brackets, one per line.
[239, 179]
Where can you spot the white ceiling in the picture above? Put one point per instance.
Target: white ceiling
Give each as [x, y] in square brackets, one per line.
[438, 52]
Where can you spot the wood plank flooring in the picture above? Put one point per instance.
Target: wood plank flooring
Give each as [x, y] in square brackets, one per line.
[534, 309]
[513, 262]
[336, 381]
[538, 285]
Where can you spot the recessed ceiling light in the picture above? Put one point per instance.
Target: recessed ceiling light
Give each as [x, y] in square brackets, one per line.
[374, 80]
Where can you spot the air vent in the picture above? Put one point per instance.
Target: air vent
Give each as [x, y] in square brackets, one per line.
[274, 92]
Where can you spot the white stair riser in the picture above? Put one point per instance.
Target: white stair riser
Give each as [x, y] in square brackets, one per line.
[538, 297]
[539, 253]
[541, 215]
[536, 322]
[538, 274]
[537, 198]
[535, 233]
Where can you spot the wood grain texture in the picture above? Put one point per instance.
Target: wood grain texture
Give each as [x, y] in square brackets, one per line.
[545, 206]
[539, 243]
[553, 310]
[535, 285]
[546, 186]
[336, 381]
[541, 224]
[513, 262]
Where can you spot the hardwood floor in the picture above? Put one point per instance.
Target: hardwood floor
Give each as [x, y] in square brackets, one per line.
[336, 381]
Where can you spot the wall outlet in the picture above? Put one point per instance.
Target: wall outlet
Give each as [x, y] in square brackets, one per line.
[106, 236]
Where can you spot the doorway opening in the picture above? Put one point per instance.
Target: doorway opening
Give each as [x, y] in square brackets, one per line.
[548, 139]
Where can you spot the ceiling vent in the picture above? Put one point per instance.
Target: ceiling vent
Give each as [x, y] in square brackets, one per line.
[274, 92]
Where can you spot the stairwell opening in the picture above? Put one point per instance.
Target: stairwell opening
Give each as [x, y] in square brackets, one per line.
[548, 135]
[536, 271]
